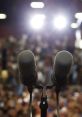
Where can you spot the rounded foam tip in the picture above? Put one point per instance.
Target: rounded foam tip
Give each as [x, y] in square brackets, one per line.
[64, 57]
[25, 56]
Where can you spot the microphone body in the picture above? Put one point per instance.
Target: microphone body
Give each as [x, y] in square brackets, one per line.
[27, 68]
[61, 69]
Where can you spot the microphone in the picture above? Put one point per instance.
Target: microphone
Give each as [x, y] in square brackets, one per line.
[27, 68]
[61, 69]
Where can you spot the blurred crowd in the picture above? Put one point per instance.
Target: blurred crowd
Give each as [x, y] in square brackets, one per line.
[14, 97]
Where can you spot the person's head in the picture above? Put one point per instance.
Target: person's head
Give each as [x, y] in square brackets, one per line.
[64, 112]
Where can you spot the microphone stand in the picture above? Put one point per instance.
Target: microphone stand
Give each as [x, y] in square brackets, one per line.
[43, 105]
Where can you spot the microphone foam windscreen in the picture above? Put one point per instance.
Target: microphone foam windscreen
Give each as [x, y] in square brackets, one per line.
[27, 67]
[63, 62]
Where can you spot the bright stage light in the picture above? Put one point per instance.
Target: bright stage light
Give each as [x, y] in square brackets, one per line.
[74, 25]
[78, 34]
[60, 22]
[3, 16]
[78, 16]
[37, 21]
[37, 4]
[78, 43]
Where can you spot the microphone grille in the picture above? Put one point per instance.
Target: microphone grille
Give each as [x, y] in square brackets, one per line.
[64, 57]
[26, 56]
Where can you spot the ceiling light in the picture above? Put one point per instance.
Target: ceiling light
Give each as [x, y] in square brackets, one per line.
[74, 25]
[78, 16]
[3, 16]
[37, 4]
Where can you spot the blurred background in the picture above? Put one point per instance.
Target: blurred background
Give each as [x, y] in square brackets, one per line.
[45, 27]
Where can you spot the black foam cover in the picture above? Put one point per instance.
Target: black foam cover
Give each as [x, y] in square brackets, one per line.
[61, 68]
[27, 68]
